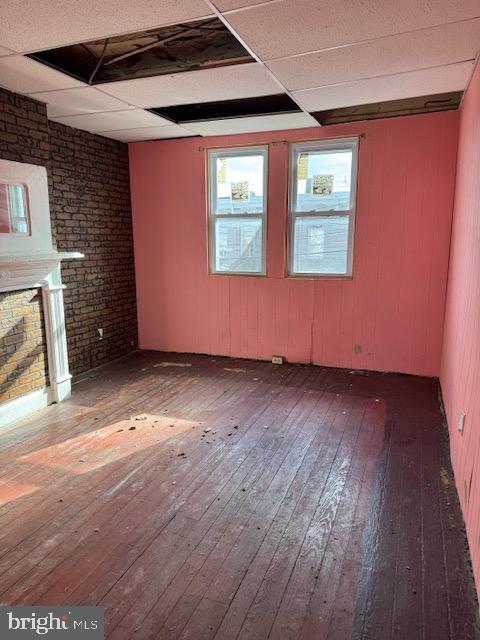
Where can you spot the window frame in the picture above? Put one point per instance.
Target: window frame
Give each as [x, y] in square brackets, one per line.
[12, 218]
[226, 152]
[332, 144]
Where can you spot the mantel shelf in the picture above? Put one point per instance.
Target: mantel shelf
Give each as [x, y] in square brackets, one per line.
[28, 271]
[46, 256]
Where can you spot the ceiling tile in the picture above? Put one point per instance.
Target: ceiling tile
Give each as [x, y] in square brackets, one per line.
[147, 133]
[222, 83]
[32, 25]
[394, 54]
[77, 101]
[253, 124]
[23, 75]
[452, 77]
[308, 25]
[113, 120]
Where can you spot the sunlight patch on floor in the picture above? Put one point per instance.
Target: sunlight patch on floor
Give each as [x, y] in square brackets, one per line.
[87, 452]
[12, 490]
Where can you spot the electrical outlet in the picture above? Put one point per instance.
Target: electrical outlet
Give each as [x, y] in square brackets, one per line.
[461, 422]
[277, 359]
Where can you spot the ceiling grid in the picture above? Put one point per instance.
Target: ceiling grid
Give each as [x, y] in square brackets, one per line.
[323, 55]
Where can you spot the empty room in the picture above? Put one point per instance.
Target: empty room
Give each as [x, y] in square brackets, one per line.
[240, 319]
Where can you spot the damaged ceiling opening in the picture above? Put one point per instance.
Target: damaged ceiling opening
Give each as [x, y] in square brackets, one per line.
[391, 108]
[189, 46]
[245, 107]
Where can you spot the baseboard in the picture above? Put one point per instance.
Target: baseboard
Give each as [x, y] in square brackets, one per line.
[20, 407]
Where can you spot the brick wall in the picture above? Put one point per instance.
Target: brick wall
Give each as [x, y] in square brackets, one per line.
[23, 353]
[90, 209]
[24, 135]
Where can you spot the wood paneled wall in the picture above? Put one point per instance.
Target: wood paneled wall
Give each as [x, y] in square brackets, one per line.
[460, 374]
[388, 317]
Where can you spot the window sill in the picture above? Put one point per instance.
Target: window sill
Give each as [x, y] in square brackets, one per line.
[320, 276]
[237, 273]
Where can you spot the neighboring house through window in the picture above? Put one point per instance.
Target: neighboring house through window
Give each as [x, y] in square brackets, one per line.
[237, 181]
[322, 207]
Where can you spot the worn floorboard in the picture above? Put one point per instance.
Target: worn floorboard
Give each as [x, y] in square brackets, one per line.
[218, 499]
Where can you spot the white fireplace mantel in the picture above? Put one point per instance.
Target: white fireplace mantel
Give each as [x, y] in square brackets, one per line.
[32, 272]
[20, 271]
[28, 260]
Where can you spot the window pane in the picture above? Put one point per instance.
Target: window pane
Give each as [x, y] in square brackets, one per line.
[239, 184]
[13, 209]
[320, 245]
[238, 245]
[323, 180]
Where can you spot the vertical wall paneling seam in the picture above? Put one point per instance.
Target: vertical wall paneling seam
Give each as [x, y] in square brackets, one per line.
[450, 239]
[375, 319]
[430, 276]
[312, 315]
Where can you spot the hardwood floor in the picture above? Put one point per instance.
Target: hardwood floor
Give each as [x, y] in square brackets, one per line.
[210, 498]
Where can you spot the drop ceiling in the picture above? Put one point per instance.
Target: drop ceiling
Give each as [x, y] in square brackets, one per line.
[171, 49]
[323, 55]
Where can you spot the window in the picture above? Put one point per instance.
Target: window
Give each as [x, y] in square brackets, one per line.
[238, 210]
[13, 209]
[322, 207]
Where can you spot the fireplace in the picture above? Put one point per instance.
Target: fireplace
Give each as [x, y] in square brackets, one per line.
[23, 345]
[29, 263]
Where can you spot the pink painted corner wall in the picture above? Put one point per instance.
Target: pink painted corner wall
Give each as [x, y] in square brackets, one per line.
[460, 371]
[393, 306]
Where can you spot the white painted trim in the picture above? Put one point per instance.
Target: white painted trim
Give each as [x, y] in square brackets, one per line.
[58, 372]
[45, 275]
[212, 155]
[33, 178]
[24, 405]
[325, 145]
[29, 261]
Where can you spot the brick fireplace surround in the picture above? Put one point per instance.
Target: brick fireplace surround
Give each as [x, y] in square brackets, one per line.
[23, 348]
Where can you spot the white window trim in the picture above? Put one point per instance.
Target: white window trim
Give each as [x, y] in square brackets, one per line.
[321, 145]
[213, 154]
[17, 234]
[11, 215]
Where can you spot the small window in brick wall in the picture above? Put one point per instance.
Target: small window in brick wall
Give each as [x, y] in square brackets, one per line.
[14, 216]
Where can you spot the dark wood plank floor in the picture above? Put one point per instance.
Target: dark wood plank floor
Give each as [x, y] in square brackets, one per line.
[209, 498]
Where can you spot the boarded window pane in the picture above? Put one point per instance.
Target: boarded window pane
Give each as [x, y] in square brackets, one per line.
[320, 244]
[238, 245]
[323, 180]
[239, 184]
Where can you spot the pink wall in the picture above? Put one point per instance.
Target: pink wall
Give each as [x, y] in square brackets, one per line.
[460, 371]
[394, 305]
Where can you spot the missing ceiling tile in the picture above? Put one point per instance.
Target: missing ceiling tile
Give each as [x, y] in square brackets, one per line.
[240, 108]
[189, 46]
[391, 108]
